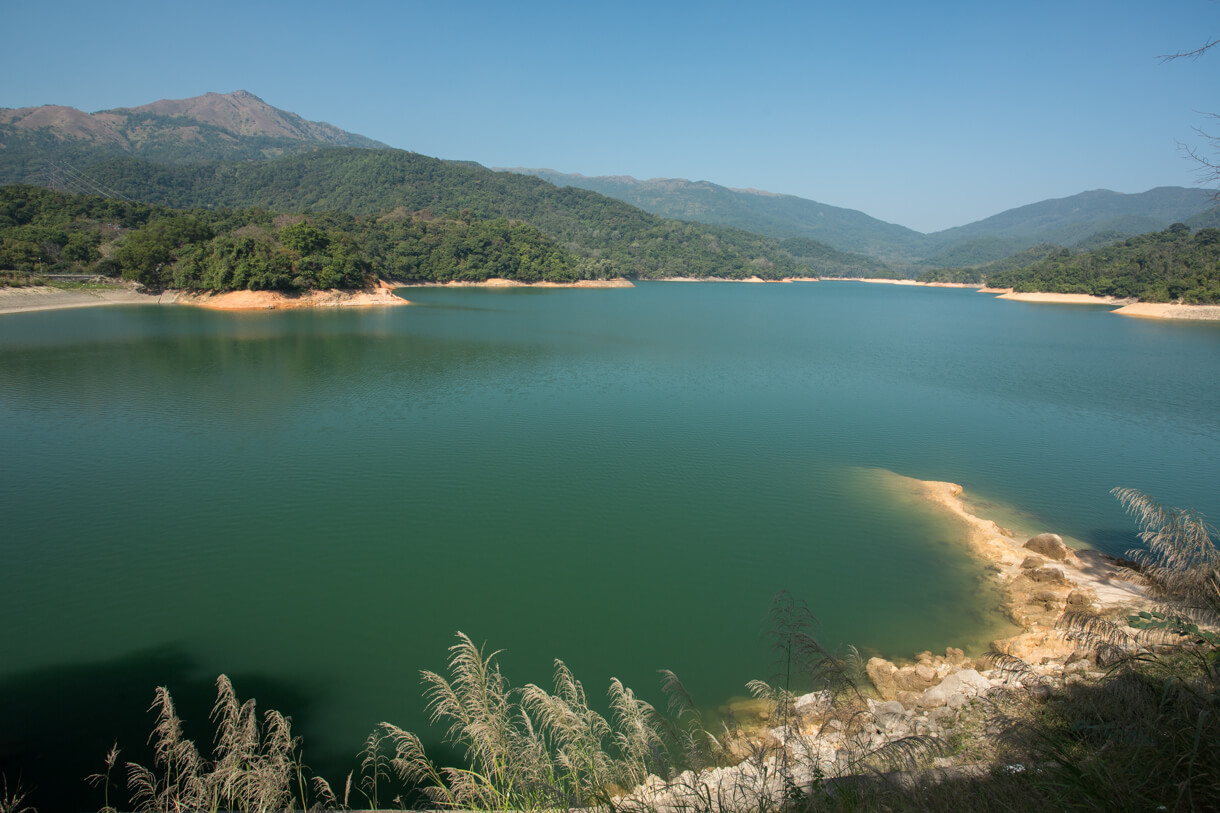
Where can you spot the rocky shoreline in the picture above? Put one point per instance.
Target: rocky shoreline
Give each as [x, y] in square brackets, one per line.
[941, 697]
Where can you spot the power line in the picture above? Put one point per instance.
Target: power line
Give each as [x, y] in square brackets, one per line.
[73, 180]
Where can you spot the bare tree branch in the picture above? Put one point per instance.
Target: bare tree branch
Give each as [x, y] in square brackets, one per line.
[1198, 52]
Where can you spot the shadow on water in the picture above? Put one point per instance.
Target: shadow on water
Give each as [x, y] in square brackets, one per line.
[58, 723]
[1113, 541]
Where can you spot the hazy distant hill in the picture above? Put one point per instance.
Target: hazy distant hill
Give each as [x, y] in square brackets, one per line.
[374, 182]
[1071, 221]
[238, 126]
[780, 216]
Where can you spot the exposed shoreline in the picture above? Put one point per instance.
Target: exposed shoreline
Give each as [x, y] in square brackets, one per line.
[380, 295]
[1038, 588]
[754, 279]
[1122, 307]
[930, 696]
[1164, 310]
[1063, 299]
[500, 282]
[43, 298]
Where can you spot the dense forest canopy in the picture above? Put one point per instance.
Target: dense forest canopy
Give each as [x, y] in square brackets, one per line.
[254, 249]
[371, 182]
[1073, 221]
[1174, 265]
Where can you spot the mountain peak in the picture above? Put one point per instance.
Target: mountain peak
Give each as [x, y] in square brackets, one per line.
[215, 125]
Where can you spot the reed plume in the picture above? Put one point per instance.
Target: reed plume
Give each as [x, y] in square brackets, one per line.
[1180, 562]
[253, 767]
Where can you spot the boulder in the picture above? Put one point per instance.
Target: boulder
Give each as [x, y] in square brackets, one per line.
[915, 678]
[888, 709]
[812, 704]
[1048, 575]
[966, 683]
[942, 718]
[1049, 545]
[881, 673]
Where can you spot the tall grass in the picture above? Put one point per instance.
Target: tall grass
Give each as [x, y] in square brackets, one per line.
[255, 765]
[528, 749]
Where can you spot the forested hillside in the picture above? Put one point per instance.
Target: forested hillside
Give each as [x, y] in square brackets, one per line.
[773, 215]
[978, 274]
[1081, 221]
[1173, 265]
[617, 237]
[229, 249]
[1167, 266]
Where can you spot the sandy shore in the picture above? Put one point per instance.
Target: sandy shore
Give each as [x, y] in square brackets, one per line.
[19, 300]
[39, 298]
[1158, 310]
[874, 280]
[1126, 307]
[383, 294]
[497, 282]
[887, 281]
[1065, 299]
[754, 279]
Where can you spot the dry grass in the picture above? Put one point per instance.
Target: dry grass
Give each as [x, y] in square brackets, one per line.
[527, 749]
[13, 801]
[255, 766]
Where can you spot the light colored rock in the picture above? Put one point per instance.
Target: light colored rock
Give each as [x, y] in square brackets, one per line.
[933, 698]
[881, 673]
[814, 703]
[1049, 545]
[1048, 575]
[889, 708]
[966, 683]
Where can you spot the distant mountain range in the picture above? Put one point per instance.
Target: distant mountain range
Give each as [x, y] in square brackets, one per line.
[234, 149]
[1080, 220]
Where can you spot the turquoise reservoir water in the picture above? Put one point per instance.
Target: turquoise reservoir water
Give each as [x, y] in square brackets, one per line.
[314, 502]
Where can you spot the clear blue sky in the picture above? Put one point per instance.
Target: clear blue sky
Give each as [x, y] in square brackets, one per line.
[926, 114]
